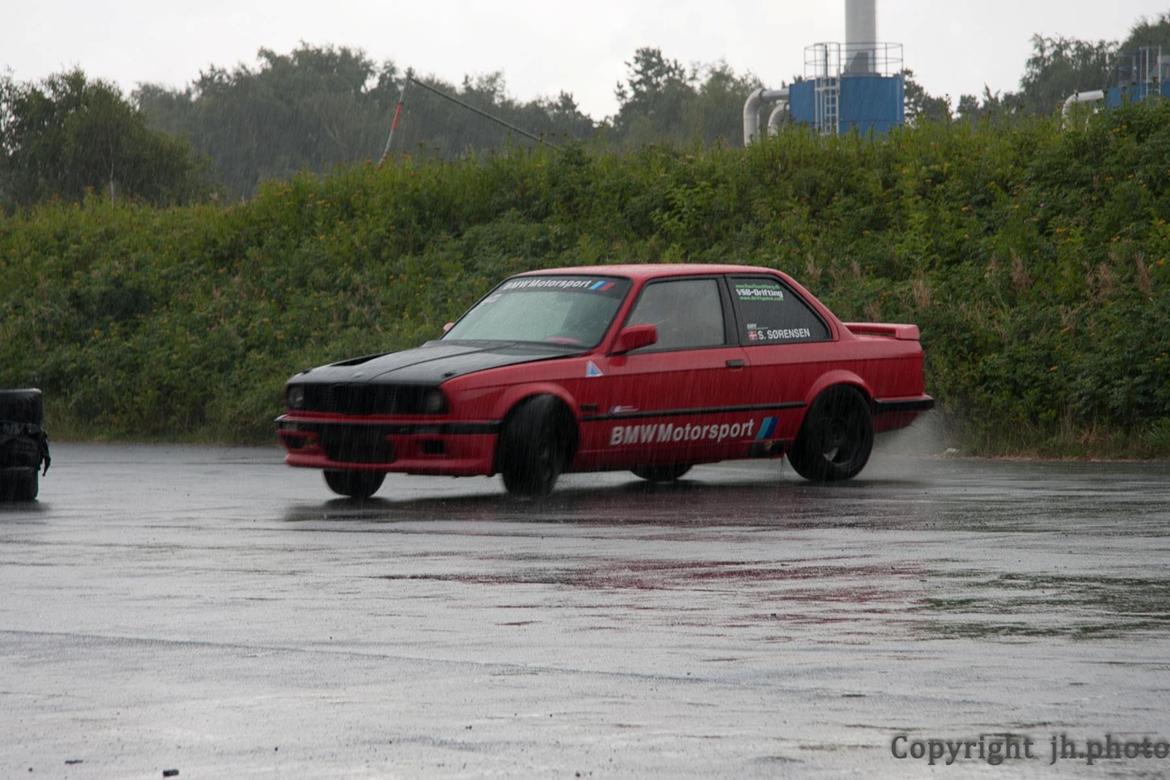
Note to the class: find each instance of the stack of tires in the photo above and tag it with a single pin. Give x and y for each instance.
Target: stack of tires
(24, 445)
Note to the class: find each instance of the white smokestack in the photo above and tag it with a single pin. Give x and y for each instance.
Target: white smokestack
(860, 36)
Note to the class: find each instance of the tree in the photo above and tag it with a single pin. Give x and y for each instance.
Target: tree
(995, 107)
(68, 135)
(1137, 58)
(436, 126)
(921, 106)
(663, 102)
(652, 99)
(1149, 33)
(651, 75)
(1059, 67)
(567, 117)
(310, 109)
(715, 113)
(319, 107)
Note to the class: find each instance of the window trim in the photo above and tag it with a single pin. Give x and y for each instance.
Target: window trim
(724, 302)
(741, 321)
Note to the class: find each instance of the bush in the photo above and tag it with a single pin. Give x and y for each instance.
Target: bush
(1034, 259)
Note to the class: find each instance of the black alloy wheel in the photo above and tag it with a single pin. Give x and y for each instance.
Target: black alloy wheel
(535, 447)
(836, 437)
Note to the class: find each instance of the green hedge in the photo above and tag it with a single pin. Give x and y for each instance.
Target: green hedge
(1033, 258)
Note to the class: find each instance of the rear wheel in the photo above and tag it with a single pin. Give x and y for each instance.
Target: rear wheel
(535, 447)
(662, 473)
(836, 437)
(354, 484)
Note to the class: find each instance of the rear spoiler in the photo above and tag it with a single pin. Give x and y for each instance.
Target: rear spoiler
(888, 329)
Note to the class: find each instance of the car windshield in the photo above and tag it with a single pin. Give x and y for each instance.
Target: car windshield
(570, 310)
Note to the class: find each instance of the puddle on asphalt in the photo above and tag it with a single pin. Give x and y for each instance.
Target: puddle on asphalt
(1039, 605)
(675, 575)
(900, 596)
(929, 560)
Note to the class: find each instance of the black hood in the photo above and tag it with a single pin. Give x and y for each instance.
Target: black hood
(434, 362)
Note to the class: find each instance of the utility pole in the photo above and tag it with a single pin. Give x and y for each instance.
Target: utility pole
(397, 115)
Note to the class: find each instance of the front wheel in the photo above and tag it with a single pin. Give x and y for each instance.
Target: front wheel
(354, 484)
(836, 437)
(661, 473)
(535, 446)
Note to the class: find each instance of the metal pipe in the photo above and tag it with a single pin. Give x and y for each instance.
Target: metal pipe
(776, 118)
(751, 116)
(1092, 96)
(751, 111)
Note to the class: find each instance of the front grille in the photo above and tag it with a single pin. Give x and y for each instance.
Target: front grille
(356, 444)
(356, 398)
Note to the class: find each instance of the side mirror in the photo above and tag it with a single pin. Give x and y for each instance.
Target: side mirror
(448, 327)
(635, 337)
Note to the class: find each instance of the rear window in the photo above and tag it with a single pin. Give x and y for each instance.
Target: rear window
(770, 313)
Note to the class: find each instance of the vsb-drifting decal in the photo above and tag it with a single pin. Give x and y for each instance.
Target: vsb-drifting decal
(663, 433)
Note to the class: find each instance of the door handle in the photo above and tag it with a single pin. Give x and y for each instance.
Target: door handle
(736, 363)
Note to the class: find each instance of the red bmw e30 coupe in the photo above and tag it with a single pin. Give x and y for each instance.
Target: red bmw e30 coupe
(651, 368)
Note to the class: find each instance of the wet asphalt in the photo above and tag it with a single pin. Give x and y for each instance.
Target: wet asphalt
(212, 611)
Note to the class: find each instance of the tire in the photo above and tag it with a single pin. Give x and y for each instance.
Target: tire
(354, 484)
(662, 473)
(21, 452)
(21, 406)
(20, 487)
(836, 437)
(535, 446)
(27, 487)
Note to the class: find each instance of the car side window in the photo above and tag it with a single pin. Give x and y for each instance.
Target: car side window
(687, 312)
(770, 313)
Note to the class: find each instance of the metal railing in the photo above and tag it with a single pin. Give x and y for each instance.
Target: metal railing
(1143, 66)
(826, 63)
(831, 60)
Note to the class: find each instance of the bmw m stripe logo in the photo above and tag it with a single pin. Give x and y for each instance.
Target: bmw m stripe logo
(766, 429)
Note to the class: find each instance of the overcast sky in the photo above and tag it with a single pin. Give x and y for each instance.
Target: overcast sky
(953, 46)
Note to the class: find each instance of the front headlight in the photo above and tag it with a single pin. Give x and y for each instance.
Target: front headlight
(433, 402)
(295, 396)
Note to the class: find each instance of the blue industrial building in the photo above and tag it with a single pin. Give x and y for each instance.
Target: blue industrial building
(1115, 97)
(1138, 76)
(866, 103)
(855, 86)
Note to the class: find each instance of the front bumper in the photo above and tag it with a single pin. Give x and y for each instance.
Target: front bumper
(452, 448)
